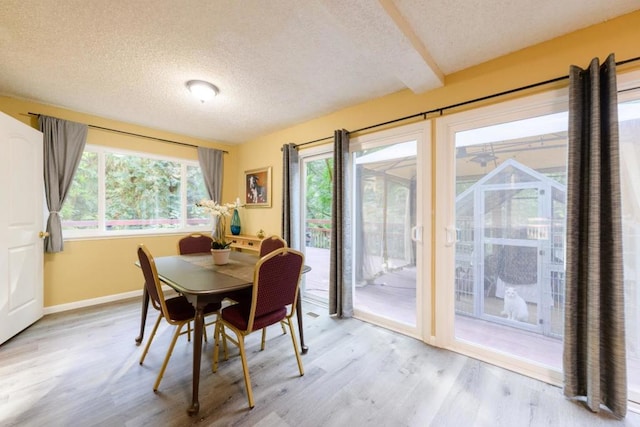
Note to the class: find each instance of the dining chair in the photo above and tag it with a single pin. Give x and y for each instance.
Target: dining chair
(176, 311)
(270, 244)
(267, 246)
(276, 283)
(194, 243)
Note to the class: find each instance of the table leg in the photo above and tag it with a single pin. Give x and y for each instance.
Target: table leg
(300, 329)
(197, 356)
(143, 320)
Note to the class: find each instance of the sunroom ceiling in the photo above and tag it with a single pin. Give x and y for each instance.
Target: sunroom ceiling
(398, 160)
(277, 63)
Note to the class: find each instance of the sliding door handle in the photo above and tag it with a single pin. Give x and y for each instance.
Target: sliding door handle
(450, 236)
(416, 233)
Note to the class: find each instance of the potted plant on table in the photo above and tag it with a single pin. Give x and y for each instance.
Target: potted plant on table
(220, 247)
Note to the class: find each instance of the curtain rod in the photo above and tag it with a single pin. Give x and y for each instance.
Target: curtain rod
(440, 110)
(136, 134)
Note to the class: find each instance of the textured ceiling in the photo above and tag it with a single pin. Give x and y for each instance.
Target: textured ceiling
(277, 62)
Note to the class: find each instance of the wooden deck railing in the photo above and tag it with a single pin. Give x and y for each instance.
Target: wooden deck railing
(133, 223)
(318, 233)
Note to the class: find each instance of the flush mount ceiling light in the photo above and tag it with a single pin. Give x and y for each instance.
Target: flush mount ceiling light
(202, 90)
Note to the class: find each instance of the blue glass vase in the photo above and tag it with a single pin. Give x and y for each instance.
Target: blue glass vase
(235, 223)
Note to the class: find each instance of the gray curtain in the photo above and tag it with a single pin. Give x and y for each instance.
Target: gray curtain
(64, 143)
(291, 196)
(212, 166)
(594, 334)
(340, 291)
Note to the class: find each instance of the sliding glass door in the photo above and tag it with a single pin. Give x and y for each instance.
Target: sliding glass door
(500, 246)
(510, 222)
(629, 118)
(501, 265)
(388, 261)
(317, 177)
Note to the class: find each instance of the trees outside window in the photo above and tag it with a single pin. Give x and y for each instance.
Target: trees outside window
(124, 192)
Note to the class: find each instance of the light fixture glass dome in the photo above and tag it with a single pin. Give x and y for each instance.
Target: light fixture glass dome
(202, 90)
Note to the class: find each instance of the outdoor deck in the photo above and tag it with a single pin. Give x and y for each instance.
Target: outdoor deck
(397, 286)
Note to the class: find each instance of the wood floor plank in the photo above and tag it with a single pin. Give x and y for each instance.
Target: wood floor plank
(82, 368)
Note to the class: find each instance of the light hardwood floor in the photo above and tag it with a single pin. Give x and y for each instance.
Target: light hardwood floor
(81, 368)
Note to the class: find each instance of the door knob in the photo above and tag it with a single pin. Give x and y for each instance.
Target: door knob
(43, 234)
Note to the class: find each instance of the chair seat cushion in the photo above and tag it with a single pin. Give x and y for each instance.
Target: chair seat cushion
(237, 316)
(181, 309)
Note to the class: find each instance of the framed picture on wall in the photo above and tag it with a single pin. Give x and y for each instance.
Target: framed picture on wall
(257, 187)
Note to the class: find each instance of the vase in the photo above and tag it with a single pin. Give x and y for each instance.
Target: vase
(221, 256)
(235, 223)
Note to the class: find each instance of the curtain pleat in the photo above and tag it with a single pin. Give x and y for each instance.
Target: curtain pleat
(212, 166)
(290, 229)
(594, 358)
(64, 143)
(340, 291)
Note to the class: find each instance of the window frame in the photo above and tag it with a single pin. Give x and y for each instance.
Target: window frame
(101, 232)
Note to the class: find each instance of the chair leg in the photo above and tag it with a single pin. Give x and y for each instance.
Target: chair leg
(168, 356)
(216, 345)
(189, 331)
(245, 369)
(219, 332)
(224, 341)
(264, 335)
(153, 333)
(204, 332)
(295, 346)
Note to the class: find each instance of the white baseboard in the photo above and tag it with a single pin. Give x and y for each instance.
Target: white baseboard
(96, 301)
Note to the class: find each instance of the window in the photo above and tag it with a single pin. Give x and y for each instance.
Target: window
(119, 192)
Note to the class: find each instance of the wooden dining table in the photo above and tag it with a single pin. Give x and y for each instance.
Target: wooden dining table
(201, 282)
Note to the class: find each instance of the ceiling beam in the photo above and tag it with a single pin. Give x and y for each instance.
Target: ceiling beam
(404, 27)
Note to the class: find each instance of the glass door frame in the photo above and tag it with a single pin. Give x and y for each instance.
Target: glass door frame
(554, 101)
(306, 156)
(628, 84)
(420, 132)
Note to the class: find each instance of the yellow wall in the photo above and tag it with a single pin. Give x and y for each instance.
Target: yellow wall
(94, 268)
(89, 269)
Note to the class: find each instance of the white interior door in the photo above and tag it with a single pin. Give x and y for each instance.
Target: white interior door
(21, 221)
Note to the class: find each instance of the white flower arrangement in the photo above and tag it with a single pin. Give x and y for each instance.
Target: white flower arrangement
(219, 212)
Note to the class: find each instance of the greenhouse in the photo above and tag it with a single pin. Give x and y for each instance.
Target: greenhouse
(510, 227)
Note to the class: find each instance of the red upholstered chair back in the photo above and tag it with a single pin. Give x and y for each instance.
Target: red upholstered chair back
(194, 243)
(276, 284)
(270, 244)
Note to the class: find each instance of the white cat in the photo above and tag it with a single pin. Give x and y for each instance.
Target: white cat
(515, 308)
